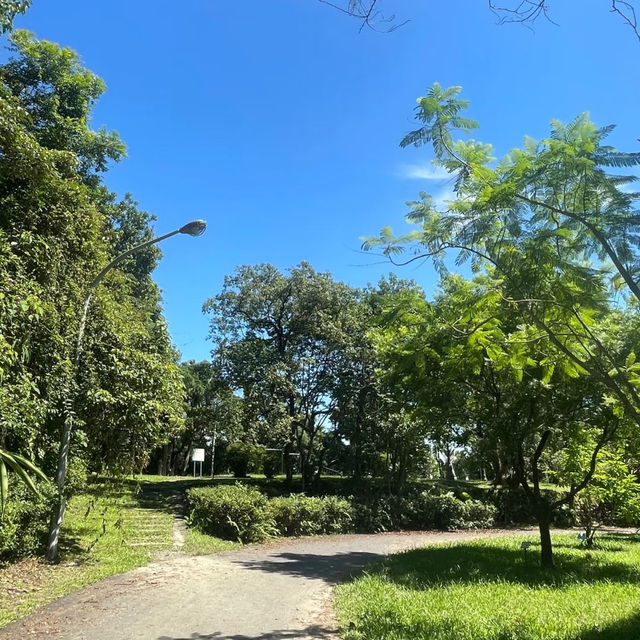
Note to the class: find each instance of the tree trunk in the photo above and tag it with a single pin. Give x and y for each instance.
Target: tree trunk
(187, 459)
(450, 472)
(213, 454)
(288, 463)
(546, 549)
(498, 476)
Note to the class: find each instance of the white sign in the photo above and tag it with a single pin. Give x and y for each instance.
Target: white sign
(197, 455)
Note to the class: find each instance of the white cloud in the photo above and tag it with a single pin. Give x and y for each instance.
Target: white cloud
(442, 196)
(423, 172)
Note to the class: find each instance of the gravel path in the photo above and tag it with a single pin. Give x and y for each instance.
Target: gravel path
(280, 590)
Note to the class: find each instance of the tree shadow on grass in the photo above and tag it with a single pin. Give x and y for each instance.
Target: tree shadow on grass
(329, 568)
(314, 631)
(386, 624)
(626, 629)
(483, 563)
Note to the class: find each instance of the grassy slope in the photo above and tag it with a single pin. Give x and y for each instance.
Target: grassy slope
(109, 529)
(488, 590)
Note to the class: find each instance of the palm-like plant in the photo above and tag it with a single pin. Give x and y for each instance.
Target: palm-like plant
(23, 467)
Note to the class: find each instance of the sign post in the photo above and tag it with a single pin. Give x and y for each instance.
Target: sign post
(197, 455)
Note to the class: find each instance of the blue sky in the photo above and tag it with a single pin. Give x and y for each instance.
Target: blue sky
(278, 122)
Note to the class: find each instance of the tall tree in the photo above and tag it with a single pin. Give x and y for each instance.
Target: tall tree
(281, 340)
(536, 221)
(213, 416)
(58, 228)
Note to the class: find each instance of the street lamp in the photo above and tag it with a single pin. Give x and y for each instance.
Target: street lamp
(193, 228)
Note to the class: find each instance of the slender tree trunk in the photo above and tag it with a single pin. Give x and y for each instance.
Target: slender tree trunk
(546, 548)
(213, 453)
(287, 463)
(450, 471)
(317, 478)
(187, 458)
(498, 475)
(165, 460)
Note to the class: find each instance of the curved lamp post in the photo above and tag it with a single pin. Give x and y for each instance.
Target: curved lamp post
(194, 228)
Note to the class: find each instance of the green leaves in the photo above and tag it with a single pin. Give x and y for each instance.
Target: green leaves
(21, 467)
(9, 9)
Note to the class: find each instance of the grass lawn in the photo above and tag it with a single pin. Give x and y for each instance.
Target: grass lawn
(201, 544)
(487, 590)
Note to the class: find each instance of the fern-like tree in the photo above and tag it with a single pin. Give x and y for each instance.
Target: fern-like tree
(553, 222)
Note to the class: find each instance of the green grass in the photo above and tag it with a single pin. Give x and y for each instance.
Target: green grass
(487, 590)
(109, 529)
(201, 544)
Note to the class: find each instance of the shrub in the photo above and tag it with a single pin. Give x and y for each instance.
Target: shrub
(272, 464)
(24, 527)
(423, 511)
(236, 512)
(243, 458)
(300, 515)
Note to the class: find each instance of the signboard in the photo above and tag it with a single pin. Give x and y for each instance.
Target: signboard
(197, 455)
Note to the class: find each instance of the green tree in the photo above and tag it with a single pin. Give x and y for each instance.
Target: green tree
(281, 340)
(536, 218)
(535, 221)
(213, 415)
(58, 93)
(58, 228)
(481, 378)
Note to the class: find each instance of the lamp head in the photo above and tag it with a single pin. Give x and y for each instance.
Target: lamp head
(194, 228)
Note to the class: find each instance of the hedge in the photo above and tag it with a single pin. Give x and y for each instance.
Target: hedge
(241, 512)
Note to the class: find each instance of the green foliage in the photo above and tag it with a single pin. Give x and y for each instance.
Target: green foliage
(213, 417)
(533, 340)
(422, 511)
(282, 339)
(58, 93)
(611, 498)
(300, 515)
(23, 468)
(9, 9)
(58, 228)
(105, 532)
(235, 512)
(271, 464)
(24, 526)
(244, 458)
(488, 590)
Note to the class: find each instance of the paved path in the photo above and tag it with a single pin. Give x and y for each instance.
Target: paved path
(275, 591)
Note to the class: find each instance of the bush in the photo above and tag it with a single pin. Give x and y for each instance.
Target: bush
(423, 511)
(241, 512)
(384, 513)
(272, 464)
(24, 527)
(243, 458)
(235, 512)
(300, 515)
